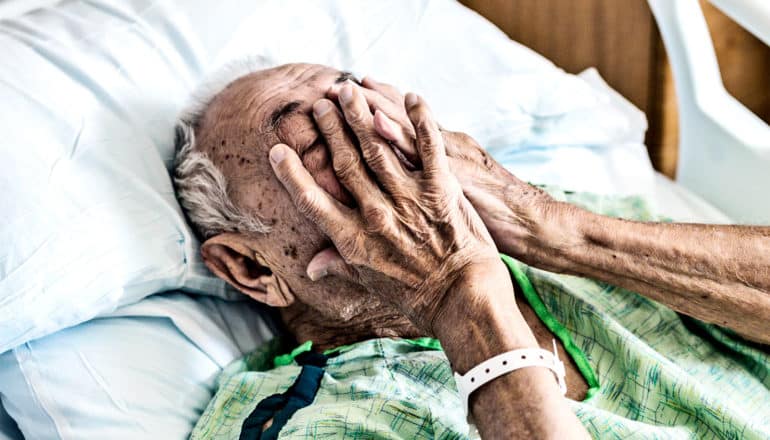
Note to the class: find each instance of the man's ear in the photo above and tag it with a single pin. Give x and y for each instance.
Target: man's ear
(231, 257)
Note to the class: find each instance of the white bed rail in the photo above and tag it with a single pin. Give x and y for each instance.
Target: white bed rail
(724, 149)
(754, 15)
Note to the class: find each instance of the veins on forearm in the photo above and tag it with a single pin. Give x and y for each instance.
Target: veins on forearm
(718, 274)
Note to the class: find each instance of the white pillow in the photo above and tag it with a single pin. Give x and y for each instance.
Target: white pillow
(89, 222)
(89, 91)
(146, 372)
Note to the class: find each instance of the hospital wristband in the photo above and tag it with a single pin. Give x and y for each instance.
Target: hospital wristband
(505, 363)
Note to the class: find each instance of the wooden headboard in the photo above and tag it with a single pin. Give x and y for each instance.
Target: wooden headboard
(620, 38)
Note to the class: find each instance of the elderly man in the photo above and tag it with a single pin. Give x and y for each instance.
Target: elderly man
(412, 258)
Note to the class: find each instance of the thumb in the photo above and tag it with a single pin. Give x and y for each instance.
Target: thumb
(329, 262)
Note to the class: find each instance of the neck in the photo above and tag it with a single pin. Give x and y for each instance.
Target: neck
(306, 324)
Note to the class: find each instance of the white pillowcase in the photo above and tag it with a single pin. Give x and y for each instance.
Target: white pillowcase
(89, 92)
(146, 372)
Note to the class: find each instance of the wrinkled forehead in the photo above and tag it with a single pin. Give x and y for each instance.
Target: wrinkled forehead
(258, 110)
(263, 98)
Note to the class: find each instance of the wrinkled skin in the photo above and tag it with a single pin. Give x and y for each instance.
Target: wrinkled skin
(416, 242)
(237, 132)
(480, 175)
(409, 242)
(483, 180)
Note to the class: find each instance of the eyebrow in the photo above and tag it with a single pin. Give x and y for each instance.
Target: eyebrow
(281, 112)
(344, 76)
(289, 107)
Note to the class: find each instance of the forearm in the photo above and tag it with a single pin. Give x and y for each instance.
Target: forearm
(718, 274)
(485, 322)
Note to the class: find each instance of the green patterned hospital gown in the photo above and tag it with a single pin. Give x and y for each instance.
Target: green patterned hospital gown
(660, 374)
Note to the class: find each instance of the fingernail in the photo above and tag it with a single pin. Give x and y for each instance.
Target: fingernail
(321, 107)
(318, 274)
(346, 93)
(277, 153)
(411, 100)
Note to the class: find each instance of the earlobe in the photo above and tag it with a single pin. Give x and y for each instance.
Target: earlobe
(231, 257)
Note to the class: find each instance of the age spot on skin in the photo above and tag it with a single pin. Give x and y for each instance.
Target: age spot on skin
(290, 251)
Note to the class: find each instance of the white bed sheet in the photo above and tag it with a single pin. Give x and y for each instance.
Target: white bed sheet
(682, 205)
(147, 371)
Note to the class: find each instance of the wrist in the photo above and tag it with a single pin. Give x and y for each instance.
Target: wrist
(480, 311)
(485, 322)
(556, 230)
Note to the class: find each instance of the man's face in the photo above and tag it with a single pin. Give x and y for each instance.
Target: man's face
(237, 131)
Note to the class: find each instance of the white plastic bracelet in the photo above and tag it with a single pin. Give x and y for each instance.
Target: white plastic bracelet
(505, 363)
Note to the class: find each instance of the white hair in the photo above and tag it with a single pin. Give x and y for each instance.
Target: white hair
(200, 186)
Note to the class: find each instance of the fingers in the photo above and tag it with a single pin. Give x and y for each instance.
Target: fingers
(430, 143)
(310, 199)
(346, 159)
(394, 109)
(329, 262)
(405, 146)
(384, 89)
(378, 155)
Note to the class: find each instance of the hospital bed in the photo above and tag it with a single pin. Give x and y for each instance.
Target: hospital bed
(724, 150)
(120, 363)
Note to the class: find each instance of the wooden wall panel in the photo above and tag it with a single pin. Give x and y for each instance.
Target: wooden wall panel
(743, 59)
(616, 36)
(620, 38)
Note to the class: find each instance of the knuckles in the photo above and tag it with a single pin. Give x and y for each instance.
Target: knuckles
(307, 202)
(377, 218)
(354, 116)
(352, 249)
(426, 131)
(368, 137)
(346, 163)
(330, 124)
